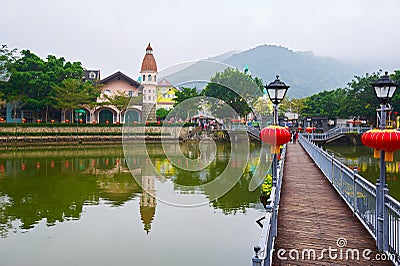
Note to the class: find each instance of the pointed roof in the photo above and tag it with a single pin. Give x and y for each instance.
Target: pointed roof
(164, 82)
(119, 75)
(149, 63)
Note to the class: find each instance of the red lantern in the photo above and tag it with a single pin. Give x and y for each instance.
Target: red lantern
(299, 128)
(387, 140)
(107, 122)
(158, 122)
(80, 121)
(147, 122)
(67, 121)
(396, 113)
(275, 136)
(2, 120)
(52, 121)
(94, 122)
(38, 121)
(23, 120)
(309, 129)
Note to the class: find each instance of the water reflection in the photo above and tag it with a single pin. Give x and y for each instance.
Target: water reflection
(54, 185)
(363, 158)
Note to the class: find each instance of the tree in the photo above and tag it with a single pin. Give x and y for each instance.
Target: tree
(32, 80)
(240, 91)
(73, 93)
(184, 94)
(7, 59)
(119, 100)
(162, 113)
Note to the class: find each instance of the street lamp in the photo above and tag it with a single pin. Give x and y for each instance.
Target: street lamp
(276, 92)
(384, 89)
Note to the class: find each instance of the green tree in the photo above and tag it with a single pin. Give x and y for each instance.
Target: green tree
(7, 59)
(73, 93)
(240, 91)
(119, 100)
(162, 113)
(32, 80)
(184, 94)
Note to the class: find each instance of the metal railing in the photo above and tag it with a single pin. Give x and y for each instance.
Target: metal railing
(264, 250)
(360, 195)
(336, 132)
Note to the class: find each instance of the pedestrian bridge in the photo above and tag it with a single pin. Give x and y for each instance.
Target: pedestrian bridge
(323, 213)
(336, 133)
(326, 137)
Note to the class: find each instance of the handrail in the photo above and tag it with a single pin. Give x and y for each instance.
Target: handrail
(335, 132)
(264, 249)
(360, 195)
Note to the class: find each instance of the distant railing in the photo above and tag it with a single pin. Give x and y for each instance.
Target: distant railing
(264, 250)
(360, 195)
(335, 132)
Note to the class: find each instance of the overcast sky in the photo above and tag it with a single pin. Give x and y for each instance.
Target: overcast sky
(112, 35)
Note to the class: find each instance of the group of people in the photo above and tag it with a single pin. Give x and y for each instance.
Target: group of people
(295, 136)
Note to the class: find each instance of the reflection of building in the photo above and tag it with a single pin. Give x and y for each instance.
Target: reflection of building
(147, 202)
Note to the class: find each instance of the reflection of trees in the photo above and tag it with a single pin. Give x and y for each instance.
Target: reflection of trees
(37, 189)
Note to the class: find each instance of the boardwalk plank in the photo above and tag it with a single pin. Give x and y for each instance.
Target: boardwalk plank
(313, 216)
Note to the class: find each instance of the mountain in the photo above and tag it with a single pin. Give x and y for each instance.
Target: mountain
(306, 73)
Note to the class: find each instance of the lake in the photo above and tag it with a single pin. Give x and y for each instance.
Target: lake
(84, 206)
(368, 166)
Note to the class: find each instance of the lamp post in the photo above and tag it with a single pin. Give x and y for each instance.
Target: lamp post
(384, 89)
(276, 92)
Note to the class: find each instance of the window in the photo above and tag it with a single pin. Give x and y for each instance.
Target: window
(130, 93)
(107, 92)
(144, 77)
(149, 77)
(144, 91)
(154, 98)
(164, 95)
(155, 78)
(92, 75)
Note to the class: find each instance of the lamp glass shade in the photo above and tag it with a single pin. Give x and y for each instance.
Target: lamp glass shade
(384, 88)
(277, 90)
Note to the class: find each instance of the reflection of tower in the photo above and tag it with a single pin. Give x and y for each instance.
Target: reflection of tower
(148, 74)
(147, 202)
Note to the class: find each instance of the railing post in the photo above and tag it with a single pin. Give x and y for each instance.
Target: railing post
(385, 220)
(341, 177)
(256, 260)
(355, 207)
(378, 224)
(333, 168)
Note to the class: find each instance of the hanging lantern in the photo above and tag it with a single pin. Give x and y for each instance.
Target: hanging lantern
(387, 140)
(309, 129)
(275, 136)
(300, 128)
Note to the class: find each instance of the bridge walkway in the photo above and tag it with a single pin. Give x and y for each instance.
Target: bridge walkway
(313, 216)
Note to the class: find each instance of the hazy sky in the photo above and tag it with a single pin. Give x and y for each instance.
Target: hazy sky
(112, 35)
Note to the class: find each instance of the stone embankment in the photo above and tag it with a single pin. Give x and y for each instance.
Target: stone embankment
(21, 135)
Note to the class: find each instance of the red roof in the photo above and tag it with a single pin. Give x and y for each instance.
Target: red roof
(149, 63)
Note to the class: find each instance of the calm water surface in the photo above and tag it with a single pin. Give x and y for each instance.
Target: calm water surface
(368, 166)
(81, 206)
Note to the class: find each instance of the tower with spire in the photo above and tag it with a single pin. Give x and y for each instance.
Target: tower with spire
(148, 74)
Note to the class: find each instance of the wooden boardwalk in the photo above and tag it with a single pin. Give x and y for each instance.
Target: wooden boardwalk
(313, 216)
